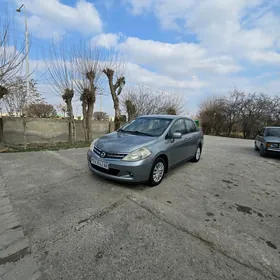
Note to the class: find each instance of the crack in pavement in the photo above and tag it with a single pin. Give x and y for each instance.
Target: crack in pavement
(156, 213)
(99, 214)
(82, 223)
(16, 256)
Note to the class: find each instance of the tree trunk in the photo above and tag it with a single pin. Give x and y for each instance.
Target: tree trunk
(84, 107)
(89, 120)
(70, 121)
(74, 129)
(113, 88)
(117, 119)
(24, 132)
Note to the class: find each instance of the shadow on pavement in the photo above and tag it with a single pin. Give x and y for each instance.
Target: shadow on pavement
(251, 152)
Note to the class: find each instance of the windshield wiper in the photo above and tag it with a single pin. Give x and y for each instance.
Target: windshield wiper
(139, 132)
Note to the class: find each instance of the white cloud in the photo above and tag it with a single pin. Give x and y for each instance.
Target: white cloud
(138, 75)
(229, 27)
(176, 60)
(50, 18)
(138, 7)
(268, 57)
(108, 40)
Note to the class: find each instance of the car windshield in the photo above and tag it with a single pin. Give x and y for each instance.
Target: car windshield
(147, 126)
(273, 132)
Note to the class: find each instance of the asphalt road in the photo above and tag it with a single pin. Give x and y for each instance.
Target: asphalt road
(215, 219)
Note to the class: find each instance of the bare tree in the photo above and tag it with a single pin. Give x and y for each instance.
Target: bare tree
(17, 97)
(212, 116)
(130, 109)
(40, 110)
(231, 108)
(11, 54)
(61, 108)
(113, 69)
(239, 112)
(143, 101)
(60, 66)
(87, 61)
(100, 116)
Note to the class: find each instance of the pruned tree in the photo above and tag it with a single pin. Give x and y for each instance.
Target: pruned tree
(130, 109)
(40, 110)
(143, 101)
(18, 98)
(3, 91)
(88, 68)
(113, 69)
(171, 111)
(60, 66)
(100, 116)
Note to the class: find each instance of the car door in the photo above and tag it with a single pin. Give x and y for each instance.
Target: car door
(177, 147)
(260, 138)
(191, 138)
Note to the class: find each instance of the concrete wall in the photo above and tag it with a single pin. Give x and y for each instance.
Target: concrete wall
(47, 130)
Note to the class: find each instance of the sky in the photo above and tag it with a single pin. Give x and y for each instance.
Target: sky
(192, 48)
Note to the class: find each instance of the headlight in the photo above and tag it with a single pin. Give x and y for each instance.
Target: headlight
(272, 145)
(92, 144)
(138, 154)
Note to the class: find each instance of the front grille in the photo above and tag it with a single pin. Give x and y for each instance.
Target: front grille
(110, 171)
(98, 152)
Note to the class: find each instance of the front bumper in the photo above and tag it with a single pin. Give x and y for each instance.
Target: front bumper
(122, 171)
(273, 150)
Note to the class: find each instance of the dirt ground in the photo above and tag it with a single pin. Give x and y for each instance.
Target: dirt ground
(215, 219)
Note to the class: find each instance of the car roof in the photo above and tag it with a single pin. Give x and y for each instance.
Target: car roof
(272, 127)
(164, 116)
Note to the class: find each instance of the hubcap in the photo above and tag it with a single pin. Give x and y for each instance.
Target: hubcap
(197, 154)
(158, 172)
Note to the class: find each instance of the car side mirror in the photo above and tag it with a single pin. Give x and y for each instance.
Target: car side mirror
(177, 135)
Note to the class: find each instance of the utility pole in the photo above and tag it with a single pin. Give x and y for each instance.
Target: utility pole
(26, 49)
(27, 73)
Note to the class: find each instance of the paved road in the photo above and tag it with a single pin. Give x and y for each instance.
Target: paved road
(216, 219)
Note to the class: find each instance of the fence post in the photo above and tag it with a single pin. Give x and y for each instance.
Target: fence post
(1, 131)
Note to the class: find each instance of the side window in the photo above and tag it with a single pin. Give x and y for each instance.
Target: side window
(178, 126)
(262, 132)
(190, 125)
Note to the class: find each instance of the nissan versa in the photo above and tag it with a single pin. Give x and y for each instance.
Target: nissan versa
(144, 149)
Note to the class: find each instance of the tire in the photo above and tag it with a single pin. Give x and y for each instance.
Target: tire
(159, 167)
(197, 155)
(262, 151)
(255, 146)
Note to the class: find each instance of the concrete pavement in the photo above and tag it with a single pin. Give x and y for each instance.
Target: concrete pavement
(217, 219)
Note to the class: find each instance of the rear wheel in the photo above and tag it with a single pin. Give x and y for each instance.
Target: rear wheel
(197, 155)
(262, 151)
(157, 172)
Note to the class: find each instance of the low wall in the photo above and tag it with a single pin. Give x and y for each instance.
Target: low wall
(41, 130)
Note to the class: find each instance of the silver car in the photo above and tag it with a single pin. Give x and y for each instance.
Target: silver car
(144, 149)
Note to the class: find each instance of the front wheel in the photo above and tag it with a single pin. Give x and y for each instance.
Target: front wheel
(256, 147)
(157, 172)
(197, 155)
(262, 151)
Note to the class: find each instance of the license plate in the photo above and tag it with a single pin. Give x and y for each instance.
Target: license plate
(100, 163)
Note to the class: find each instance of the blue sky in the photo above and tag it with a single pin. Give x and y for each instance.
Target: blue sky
(191, 48)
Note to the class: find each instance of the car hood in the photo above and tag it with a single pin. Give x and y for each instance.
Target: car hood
(272, 139)
(119, 142)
